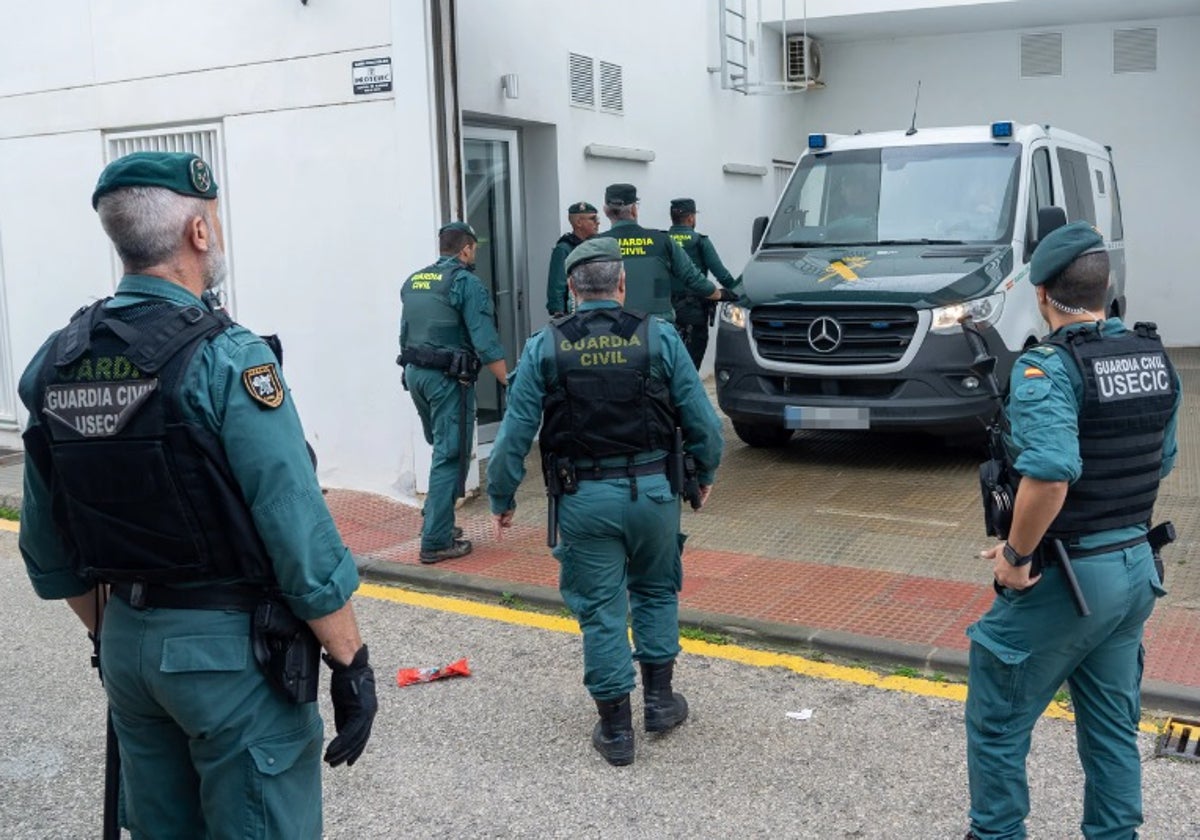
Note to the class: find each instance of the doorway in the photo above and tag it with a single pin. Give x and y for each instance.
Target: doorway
(492, 183)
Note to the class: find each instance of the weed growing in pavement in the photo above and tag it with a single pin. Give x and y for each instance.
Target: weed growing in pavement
(11, 514)
(514, 602)
(906, 671)
(701, 635)
(1063, 697)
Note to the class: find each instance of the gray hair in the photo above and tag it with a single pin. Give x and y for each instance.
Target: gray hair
(619, 212)
(147, 224)
(596, 279)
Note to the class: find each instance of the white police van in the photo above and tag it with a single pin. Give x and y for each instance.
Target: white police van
(878, 247)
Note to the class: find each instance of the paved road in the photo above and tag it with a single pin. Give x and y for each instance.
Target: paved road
(505, 752)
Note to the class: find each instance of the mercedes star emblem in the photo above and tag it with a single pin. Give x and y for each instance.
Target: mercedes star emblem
(825, 335)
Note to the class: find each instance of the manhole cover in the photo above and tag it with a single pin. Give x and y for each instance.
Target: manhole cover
(1180, 739)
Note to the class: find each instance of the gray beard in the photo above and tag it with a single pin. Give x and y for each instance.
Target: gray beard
(216, 270)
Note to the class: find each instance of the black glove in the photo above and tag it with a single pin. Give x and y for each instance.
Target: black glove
(728, 294)
(352, 688)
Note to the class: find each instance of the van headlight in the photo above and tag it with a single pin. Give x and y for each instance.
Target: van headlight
(983, 311)
(733, 315)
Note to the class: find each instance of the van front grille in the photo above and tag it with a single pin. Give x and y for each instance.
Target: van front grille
(833, 335)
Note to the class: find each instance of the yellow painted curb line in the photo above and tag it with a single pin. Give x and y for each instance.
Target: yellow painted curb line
(731, 653)
(9, 525)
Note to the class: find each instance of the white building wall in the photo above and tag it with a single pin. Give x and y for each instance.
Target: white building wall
(330, 196)
(672, 106)
(1151, 121)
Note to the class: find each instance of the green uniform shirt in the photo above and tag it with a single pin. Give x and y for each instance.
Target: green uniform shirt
(535, 374)
(266, 452)
(690, 308)
(556, 279)
(1043, 414)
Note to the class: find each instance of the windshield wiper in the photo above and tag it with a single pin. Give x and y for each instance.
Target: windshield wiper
(919, 242)
(804, 243)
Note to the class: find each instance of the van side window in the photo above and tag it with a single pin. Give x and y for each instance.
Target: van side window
(1041, 192)
(1099, 182)
(1118, 230)
(1077, 186)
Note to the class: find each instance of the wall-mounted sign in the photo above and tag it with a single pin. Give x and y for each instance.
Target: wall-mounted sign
(372, 75)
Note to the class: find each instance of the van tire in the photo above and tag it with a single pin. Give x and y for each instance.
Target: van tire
(758, 435)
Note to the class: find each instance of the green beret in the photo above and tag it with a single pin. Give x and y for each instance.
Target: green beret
(580, 207)
(1060, 248)
(618, 195)
(179, 172)
(463, 226)
(596, 249)
(683, 205)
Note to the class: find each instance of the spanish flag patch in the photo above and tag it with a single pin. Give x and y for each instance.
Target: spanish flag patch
(1033, 373)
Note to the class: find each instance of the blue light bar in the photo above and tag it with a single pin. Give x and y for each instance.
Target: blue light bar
(1002, 130)
(816, 141)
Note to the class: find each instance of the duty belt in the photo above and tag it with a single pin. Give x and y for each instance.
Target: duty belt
(143, 596)
(426, 358)
(596, 473)
(1049, 557)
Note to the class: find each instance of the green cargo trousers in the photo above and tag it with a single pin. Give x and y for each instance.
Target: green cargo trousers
(618, 555)
(437, 397)
(1022, 650)
(208, 748)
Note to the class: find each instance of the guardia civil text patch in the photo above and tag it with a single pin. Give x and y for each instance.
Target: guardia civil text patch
(263, 385)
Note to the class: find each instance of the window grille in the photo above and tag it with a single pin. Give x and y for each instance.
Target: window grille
(1041, 55)
(583, 72)
(1135, 50)
(611, 94)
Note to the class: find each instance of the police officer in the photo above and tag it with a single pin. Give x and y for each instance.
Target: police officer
(654, 263)
(584, 224)
(164, 457)
(1092, 413)
(447, 330)
(613, 386)
(692, 313)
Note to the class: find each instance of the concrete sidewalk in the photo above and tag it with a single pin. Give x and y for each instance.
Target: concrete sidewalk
(862, 546)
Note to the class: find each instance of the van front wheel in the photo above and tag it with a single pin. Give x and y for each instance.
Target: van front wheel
(768, 437)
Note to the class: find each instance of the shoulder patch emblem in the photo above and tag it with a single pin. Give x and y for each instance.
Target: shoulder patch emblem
(263, 385)
(1031, 372)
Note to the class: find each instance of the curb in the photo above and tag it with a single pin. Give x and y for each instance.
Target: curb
(1156, 694)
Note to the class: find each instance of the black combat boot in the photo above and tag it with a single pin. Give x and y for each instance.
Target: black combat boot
(613, 735)
(664, 709)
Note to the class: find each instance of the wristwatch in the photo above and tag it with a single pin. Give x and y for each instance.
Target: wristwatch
(1014, 559)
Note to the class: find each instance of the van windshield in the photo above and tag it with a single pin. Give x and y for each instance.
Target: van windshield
(920, 194)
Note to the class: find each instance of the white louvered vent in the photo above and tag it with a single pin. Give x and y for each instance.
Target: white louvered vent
(1135, 50)
(203, 140)
(583, 86)
(1041, 55)
(612, 97)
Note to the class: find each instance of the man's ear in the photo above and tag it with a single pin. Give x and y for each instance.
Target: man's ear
(199, 234)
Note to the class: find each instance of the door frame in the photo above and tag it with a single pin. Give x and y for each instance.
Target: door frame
(516, 311)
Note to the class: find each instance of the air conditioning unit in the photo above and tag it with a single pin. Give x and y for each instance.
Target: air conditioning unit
(803, 60)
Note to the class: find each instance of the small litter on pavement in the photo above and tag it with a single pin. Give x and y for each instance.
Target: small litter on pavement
(412, 676)
(803, 714)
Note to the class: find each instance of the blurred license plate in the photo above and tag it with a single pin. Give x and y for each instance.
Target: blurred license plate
(814, 417)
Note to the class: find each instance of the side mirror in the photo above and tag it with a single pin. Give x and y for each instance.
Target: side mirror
(1048, 219)
(756, 233)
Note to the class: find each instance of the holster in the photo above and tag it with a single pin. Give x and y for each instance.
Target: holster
(287, 651)
(463, 366)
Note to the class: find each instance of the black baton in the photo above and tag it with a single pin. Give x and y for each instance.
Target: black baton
(1064, 560)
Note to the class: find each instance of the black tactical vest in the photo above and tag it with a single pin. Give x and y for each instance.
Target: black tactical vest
(646, 254)
(1129, 392)
(605, 402)
(138, 494)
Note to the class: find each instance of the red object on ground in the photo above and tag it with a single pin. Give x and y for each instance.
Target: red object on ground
(411, 676)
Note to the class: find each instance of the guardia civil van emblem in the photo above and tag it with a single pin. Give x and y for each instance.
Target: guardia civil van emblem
(263, 385)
